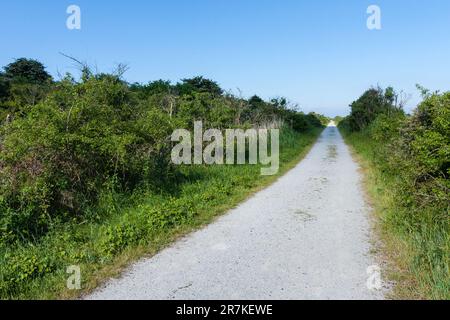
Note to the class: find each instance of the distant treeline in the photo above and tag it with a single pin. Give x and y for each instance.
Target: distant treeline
(63, 142)
(411, 157)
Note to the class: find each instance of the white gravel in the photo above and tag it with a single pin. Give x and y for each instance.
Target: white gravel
(307, 236)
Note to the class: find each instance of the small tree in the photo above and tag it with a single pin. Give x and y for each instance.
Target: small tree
(26, 71)
(371, 104)
(200, 85)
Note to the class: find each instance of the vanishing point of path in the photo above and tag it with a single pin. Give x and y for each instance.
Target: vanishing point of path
(307, 236)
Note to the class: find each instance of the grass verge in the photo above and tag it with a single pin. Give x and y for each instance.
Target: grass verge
(140, 224)
(417, 256)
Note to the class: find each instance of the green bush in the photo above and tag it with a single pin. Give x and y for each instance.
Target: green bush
(412, 159)
(424, 149)
(369, 106)
(56, 160)
(69, 146)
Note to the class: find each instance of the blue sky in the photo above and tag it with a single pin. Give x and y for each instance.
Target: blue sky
(319, 54)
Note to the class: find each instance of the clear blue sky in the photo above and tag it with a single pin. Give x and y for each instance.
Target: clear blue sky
(319, 54)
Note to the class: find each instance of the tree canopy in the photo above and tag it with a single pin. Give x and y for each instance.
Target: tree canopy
(26, 71)
(201, 85)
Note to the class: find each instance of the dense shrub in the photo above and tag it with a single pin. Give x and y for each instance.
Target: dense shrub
(56, 160)
(68, 146)
(198, 85)
(412, 157)
(369, 106)
(215, 112)
(424, 147)
(417, 148)
(23, 84)
(26, 71)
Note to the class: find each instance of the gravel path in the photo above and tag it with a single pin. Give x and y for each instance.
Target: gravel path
(307, 236)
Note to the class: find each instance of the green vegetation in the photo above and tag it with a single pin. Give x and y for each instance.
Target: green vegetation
(407, 159)
(86, 177)
(337, 120)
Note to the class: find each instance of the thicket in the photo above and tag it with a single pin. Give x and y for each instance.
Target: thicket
(411, 156)
(67, 145)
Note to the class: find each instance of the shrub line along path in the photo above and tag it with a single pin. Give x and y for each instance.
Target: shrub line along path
(307, 236)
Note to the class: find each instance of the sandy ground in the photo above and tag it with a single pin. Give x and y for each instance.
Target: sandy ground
(307, 236)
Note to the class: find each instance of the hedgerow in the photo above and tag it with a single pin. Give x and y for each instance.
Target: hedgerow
(411, 155)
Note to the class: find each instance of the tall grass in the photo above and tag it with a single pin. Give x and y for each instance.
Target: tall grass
(417, 245)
